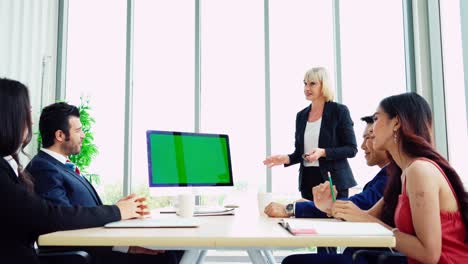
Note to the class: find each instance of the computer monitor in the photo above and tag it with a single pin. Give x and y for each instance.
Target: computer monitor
(178, 159)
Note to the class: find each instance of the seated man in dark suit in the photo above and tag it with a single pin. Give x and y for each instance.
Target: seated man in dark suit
(371, 193)
(58, 180)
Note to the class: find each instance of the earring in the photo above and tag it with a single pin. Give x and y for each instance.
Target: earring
(395, 136)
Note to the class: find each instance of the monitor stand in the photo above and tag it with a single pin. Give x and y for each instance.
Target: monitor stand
(198, 200)
(198, 192)
(210, 195)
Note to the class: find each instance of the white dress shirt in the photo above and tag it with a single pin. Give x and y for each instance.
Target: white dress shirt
(55, 155)
(311, 138)
(12, 163)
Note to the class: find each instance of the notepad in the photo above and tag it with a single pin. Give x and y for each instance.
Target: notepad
(204, 211)
(155, 222)
(208, 212)
(333, 228)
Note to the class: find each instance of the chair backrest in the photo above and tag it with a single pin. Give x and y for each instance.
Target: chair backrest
(69, 257)
(379, 256)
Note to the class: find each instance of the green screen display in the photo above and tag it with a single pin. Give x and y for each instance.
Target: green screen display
(188, 159)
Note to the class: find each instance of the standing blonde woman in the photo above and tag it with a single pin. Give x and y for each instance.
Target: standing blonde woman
(324, 139)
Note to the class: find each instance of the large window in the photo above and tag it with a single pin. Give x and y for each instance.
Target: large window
(301, 37)
(163, 91)
(232, 83)
(232, 75)
(96, 70)
(373, 64)
(454, 85)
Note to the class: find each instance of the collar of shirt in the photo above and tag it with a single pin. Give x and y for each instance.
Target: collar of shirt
(12, 163)
(55, 155)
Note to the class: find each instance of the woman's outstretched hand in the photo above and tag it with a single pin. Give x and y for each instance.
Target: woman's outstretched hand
(276, 160)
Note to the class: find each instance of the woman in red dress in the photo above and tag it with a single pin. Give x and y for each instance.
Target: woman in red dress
(425, 199)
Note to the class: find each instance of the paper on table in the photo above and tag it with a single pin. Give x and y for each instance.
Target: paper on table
(204, 211)
(226, 211)
(155, 222)
(298, 230)
(333, 228)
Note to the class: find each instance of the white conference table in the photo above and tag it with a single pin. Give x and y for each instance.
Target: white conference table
(251, 232)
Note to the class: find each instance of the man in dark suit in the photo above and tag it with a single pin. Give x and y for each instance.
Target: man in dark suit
(371, 193)
(60, 181)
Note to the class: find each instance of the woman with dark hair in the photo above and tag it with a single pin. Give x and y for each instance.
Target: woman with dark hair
(25, 216)
(425, 198)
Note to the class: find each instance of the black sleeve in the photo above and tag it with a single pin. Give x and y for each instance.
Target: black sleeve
(26, 214)
(296, 156)
(345, 137)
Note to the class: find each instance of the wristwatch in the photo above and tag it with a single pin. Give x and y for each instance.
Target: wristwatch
(290, 209)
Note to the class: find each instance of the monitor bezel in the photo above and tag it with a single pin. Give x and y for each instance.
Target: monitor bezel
(179, 133)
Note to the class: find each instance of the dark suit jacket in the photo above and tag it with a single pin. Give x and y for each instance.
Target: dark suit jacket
(369, 196)
(336, 137)
(63, 186)
(59, 184)
(25, 216)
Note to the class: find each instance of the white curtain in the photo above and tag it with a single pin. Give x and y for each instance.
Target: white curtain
(28, 49)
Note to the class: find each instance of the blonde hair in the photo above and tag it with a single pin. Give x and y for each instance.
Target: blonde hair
(320, 74)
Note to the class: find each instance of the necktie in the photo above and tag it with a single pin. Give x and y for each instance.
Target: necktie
(73, 166)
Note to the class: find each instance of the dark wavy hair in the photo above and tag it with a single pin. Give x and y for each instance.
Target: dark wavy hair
(15, 120)
(416, 140)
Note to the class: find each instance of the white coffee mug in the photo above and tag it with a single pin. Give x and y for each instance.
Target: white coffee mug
(263, 199)
(186, 205)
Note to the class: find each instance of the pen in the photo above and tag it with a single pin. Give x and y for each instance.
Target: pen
(331, 187)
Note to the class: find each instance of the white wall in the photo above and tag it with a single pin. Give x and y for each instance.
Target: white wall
(28, 30)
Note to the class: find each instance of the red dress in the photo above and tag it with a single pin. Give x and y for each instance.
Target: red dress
(454, 250)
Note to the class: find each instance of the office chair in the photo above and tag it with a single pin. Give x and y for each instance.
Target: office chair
(382, 256)
(69, 257)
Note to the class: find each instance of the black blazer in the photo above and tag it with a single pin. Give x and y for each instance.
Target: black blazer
(336, 137)
(59, 184)
(25, 216)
